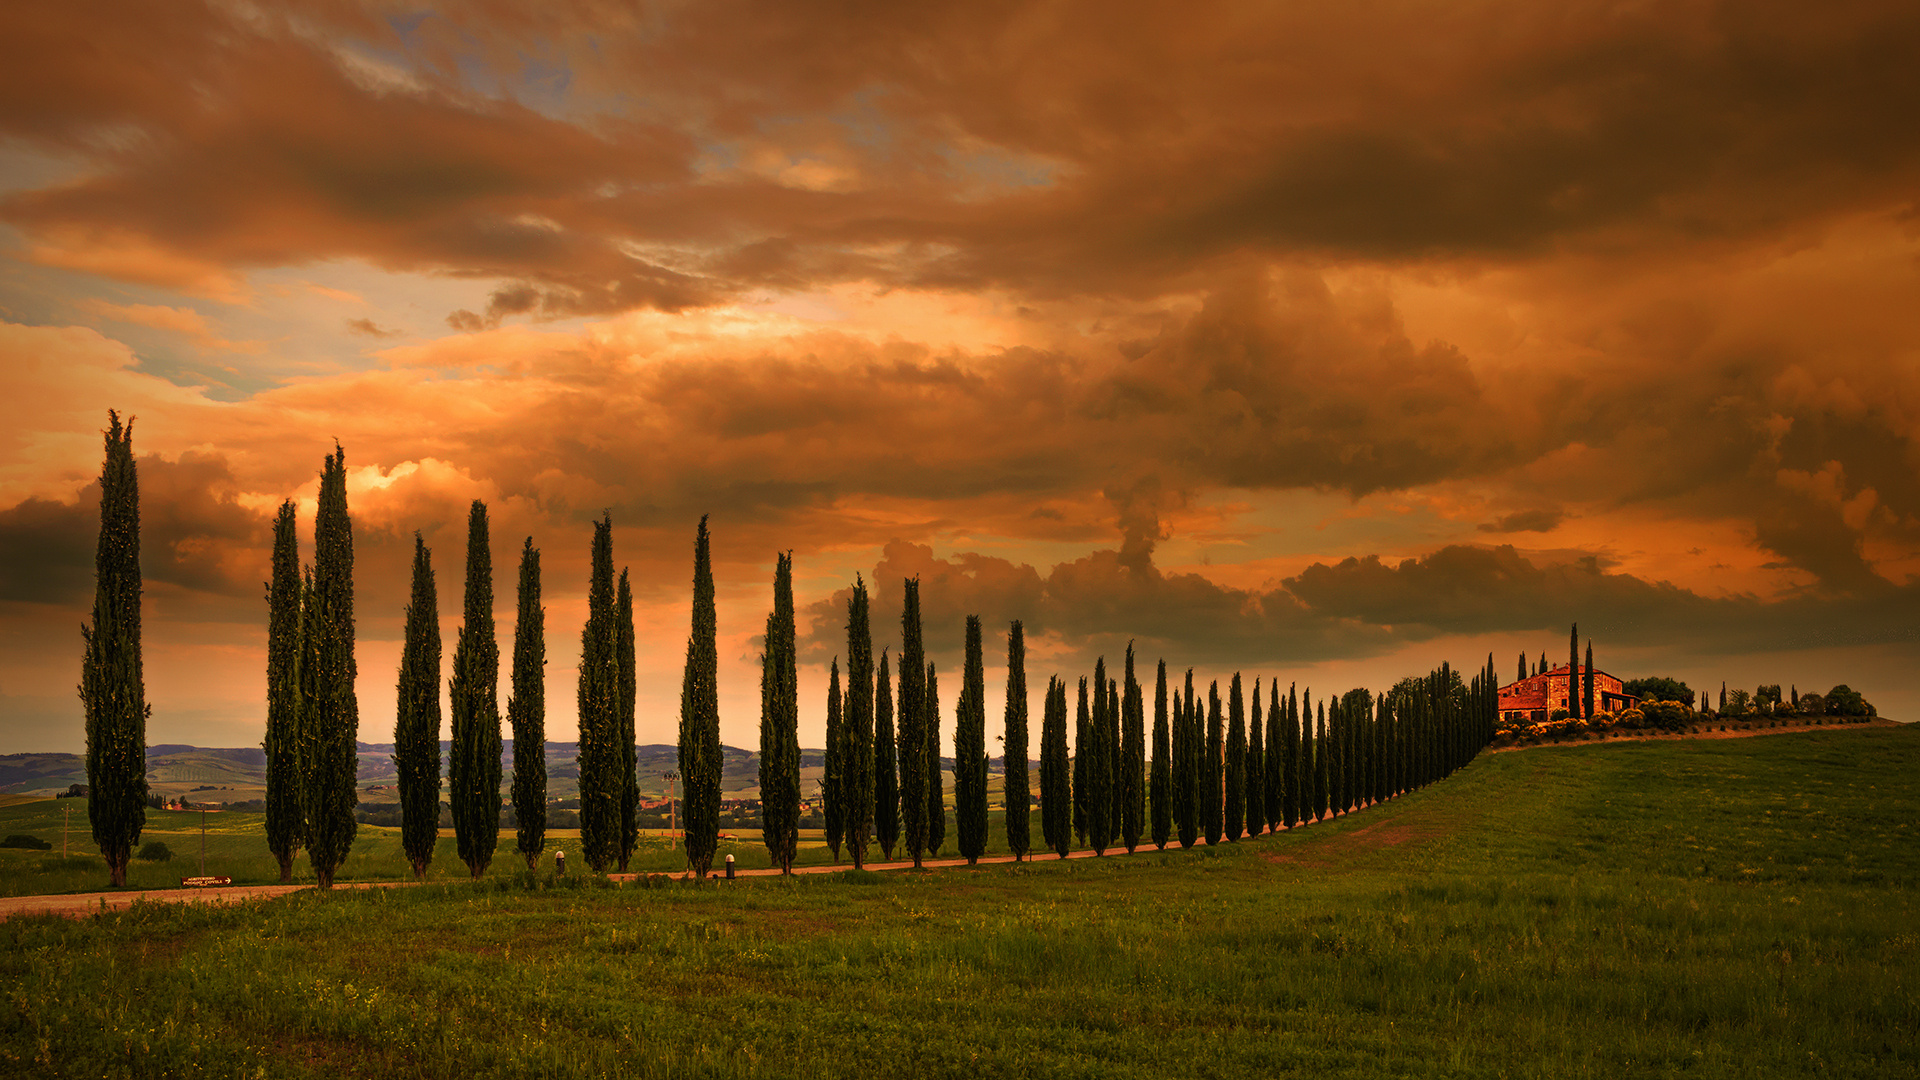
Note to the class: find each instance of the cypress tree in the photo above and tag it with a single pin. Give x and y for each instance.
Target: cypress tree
(1019, 792)
(1573, 673)
(1234, 809)
(1276, 759)
(416, 728)
(936, 782)
(832, 785)
(700, 716)
(1056, 797)
(286, 829)
(627, 693)
(857, 722)
(1099, 773)
(1212, 819)
(1160, 784)
(330, 714)
(1082, 752)
(886, 782)
(913, 727)
(970, 750)
(1337, 760)
(1110, 753)
(1587, 699)
(1307, 767)
(473, 771)
(113, 688)
(1322, 763)
(1133, 760)
(527, 710)
(599, 758)
(1256, 766)
(780, 725)
(1186, 769)
(1287, 749)
(1523, 666)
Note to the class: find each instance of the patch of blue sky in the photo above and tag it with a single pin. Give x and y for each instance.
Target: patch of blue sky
(990, 170)
(25, 168)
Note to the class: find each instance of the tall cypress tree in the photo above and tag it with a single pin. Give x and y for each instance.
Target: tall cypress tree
(1019, 792)
(113, 688)
(1186, 769)
(527, 710)
(1110, 751)
(599, 696)
(1587, 698)
(1276, 790)
(858, 782)
(416, 728)
(1099, 772)
(626, 697)
(780, 725)
(1308, 768)
(1133, 760)
(886, 781)
(1256, 766)
(1335, 746)
(1573, 673)
(1234, 809)
(1211, 784)
(1322, 761)
(832, 784)
(330, 714)
(913, 727)
(286, 829)
(1160, 782)
(970, 750)
(473, 773)
(1056, 796)
(936, 783)
(1082, 754)
(700, 716)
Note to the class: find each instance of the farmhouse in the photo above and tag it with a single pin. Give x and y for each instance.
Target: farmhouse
(1531, 700)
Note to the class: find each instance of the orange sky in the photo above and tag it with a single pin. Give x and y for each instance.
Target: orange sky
(1317, 341)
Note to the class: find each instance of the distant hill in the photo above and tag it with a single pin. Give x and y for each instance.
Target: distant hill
(238, 774)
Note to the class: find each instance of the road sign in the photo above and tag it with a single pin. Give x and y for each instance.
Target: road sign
(203, 882)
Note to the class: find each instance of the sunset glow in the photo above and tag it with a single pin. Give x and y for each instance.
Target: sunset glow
(1318, 342)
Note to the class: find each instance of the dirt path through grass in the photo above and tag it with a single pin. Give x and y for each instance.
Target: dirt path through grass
(79, 905)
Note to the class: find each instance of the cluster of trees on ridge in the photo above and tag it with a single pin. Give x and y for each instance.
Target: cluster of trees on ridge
(1216, 769)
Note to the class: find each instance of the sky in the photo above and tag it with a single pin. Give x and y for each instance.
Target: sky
(1314, 342)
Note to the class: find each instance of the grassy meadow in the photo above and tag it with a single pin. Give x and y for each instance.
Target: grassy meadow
(1741, 908)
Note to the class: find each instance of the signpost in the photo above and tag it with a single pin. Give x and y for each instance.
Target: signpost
(203, 881)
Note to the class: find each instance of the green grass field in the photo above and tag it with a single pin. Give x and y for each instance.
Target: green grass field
(1740, 908)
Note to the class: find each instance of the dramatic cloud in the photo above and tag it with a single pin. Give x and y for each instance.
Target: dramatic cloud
(1259, 336)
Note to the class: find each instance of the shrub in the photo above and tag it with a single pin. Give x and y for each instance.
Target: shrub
(31, 843)
(1667, 715)
(154, 851)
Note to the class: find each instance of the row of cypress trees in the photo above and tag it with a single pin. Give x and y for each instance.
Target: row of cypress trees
(473, 765)
(1219, 770)
(1230, 780)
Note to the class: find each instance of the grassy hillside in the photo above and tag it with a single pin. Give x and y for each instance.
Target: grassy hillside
(1739, 908)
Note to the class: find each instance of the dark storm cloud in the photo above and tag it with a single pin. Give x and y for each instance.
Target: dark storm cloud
(704, 149)
(1356, 607)
(1525, 521)
(192, 534)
